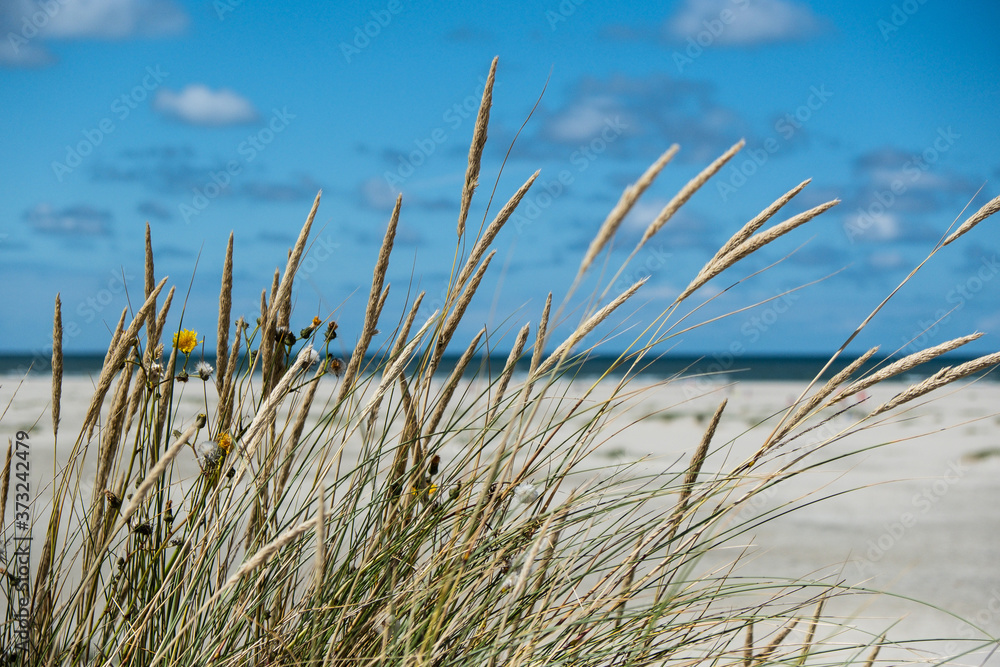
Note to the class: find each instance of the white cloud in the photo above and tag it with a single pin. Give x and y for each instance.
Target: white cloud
(114, 19)
(197, 104)
(750, 23)
(640, 116)
(874, 226)
(377, 194)
(643, 212)
(81, 220)
(584, 119)
(28, 25)
(890, 259)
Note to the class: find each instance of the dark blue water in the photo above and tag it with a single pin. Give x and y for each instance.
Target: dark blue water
(775, 368)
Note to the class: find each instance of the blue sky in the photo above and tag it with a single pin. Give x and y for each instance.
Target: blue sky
(202, 118)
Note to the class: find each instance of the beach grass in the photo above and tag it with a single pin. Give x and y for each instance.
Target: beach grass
(390, 508)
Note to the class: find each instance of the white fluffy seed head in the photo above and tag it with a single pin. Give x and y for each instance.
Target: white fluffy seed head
(526, 493)
(309, 356)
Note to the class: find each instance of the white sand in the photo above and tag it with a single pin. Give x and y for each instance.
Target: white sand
(924, 522)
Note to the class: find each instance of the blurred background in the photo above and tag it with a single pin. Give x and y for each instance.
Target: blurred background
(202, 118)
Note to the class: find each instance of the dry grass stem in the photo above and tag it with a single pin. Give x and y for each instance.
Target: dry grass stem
(225, 311)
(811, 632)
(808, 406)
(476, 149)
(57, 367)
(455, 317)
(284, 297)
(452, 383)
(319, 570)
(374, 298)
(508, 371)
(5, 489)
(763, 656)
(874, 653)
(686, 193)
(397, 365)
(564, 349)
(404, 330)
(991, 207)
(483, 244)
(116, 357)
(292, 442)
(752, 245)
(742, 235)
(905, 364)
(149, 283)
(227, 395)
(628, 199)
(697, 460)
(943, 377)
(265, 415)
(263, 555)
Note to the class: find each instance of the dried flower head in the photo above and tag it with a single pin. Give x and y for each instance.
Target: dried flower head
(335, 365)
(210, 453)
(331, 331)
(225, 441)
(285, 336)
(155, 371)
(114, 502)
(310, 355)
(204, 370)
(186, 340)
(526, 493)
(305, 333)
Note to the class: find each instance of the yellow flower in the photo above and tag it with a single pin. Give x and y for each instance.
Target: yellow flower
(185, 340)
(225, 442)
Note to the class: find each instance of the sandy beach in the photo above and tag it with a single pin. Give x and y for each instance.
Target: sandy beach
(913, 513)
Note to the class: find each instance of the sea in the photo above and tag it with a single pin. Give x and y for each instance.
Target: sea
(723, 367)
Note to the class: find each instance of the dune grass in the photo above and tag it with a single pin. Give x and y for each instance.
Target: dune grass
(387, 509)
